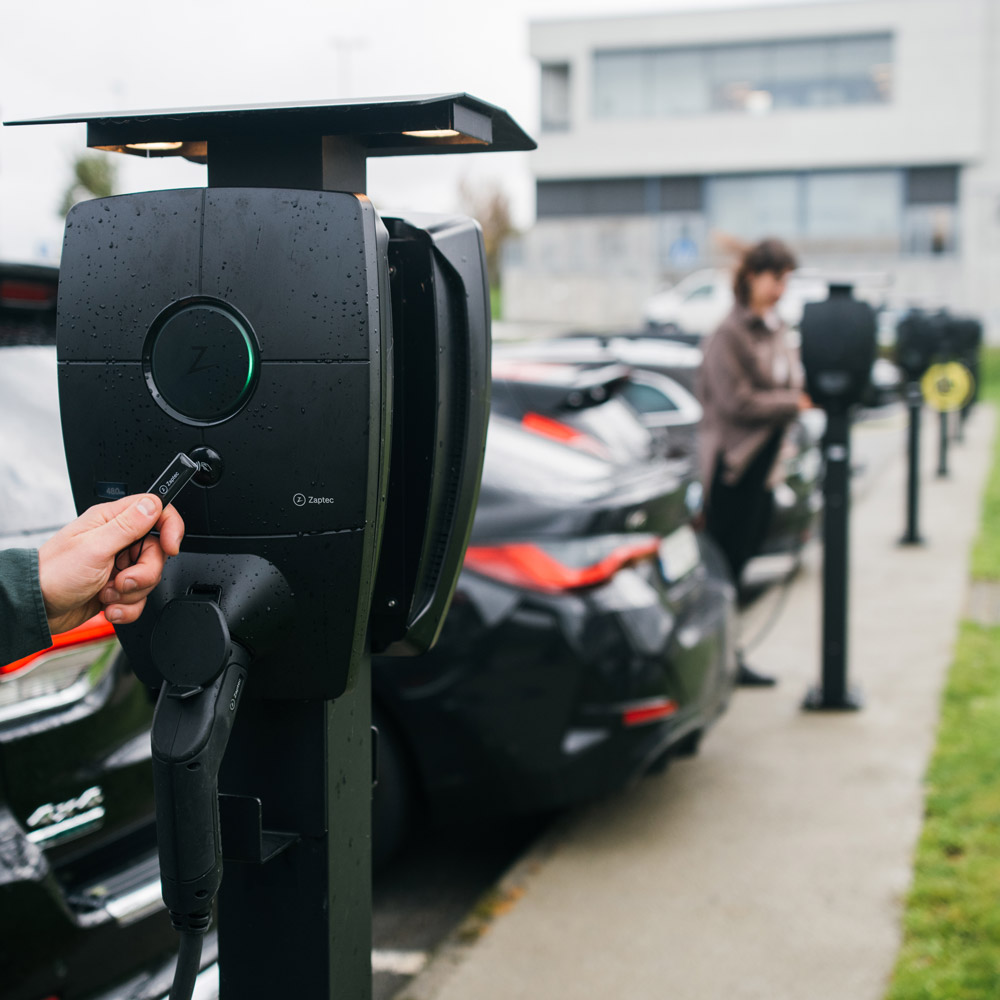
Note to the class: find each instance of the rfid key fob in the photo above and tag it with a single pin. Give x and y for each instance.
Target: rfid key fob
(166, 486)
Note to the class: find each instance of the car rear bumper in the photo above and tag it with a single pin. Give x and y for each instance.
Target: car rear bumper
(521, 707)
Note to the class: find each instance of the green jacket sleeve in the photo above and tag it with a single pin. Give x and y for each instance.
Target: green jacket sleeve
(24, 628)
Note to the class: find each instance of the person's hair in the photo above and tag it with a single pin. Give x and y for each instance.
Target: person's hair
(768, 255)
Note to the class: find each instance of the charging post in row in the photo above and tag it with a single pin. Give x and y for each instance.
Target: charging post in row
(258, 327)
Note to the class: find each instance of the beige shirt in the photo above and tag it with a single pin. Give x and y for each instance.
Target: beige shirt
(749, 386)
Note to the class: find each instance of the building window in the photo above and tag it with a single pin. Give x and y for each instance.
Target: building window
(932, 186)
(930, 216)
(852, 206)
(620, 196)
(821, 210)
(755, 206)
(750, 78)
(555, 97)
(624, 196)
(681, 194)
(619, 90)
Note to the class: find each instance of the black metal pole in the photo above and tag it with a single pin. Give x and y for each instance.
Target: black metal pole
(299, 924)
(833, 693)
(943, 429)
(915, 402)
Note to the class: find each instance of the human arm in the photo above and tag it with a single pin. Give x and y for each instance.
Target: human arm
(24, 627)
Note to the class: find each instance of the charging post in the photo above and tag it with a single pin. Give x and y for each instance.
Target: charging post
(935, 352)
(920, 338)
(838, 349)
(914, 406)
(250, 325)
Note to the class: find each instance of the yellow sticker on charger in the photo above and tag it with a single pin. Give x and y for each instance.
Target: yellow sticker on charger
(947, 387)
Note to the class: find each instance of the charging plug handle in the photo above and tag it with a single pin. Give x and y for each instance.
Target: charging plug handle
(191, 729)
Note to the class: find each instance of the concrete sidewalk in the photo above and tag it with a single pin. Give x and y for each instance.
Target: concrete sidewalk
(774, 864)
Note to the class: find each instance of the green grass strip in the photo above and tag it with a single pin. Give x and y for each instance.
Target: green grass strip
(951, 948)
(986, 551)
(951, 940)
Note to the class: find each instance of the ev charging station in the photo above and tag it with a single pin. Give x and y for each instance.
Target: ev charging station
(935, 352)
(325, 372)
(838, 350)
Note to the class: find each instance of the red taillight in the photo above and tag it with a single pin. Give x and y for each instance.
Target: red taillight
(556, 430)
(27, 294)
(91, 630)
(648, 711)
(527, 565)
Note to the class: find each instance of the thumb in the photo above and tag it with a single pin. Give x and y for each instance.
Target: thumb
(129, 524)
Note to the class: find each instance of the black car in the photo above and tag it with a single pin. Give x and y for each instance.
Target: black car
(668, 357)
(586, 408)
(80, 908)
(660, 389)
(590, 637)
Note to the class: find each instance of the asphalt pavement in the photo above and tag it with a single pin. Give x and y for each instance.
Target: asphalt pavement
(775, 863)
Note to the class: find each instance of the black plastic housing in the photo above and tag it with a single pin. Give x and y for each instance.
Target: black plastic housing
(838, 348)
(441, 350)
(253, 322)
(921, 339)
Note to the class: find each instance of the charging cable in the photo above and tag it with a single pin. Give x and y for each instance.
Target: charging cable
(779, 606)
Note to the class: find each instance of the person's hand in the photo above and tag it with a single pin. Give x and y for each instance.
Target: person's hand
(805, 401)
(76, 566)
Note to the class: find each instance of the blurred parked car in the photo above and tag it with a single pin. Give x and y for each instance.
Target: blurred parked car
(666, 408)
(656, 366)
(589, 639)
(698, 303)
(582, 407)
(80, 908)
(678, 361)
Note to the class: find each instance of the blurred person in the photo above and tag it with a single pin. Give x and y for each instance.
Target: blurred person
(101, 562)
(750, 386)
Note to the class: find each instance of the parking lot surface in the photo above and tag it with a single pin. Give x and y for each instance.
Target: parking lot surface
(775, 863)
(432, 887)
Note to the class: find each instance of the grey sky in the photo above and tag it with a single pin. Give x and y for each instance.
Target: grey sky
(64, 56)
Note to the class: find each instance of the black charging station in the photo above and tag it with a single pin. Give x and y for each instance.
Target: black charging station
(922, 338)
(327, 370)
(838, 350)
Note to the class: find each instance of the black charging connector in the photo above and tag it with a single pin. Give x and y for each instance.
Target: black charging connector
(205, 674)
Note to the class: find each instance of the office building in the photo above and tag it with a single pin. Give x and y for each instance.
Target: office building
(866, 133)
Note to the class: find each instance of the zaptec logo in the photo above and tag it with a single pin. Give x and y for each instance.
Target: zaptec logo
(61, 820)
(200, 350)
(300, 500)
(165, 488)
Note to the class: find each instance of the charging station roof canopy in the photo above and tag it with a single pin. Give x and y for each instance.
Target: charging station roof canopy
(385, 126)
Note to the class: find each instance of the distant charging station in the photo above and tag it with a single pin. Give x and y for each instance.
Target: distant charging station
(838, 349)
(320, 374)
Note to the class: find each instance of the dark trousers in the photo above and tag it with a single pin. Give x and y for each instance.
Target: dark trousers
(739, 513)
